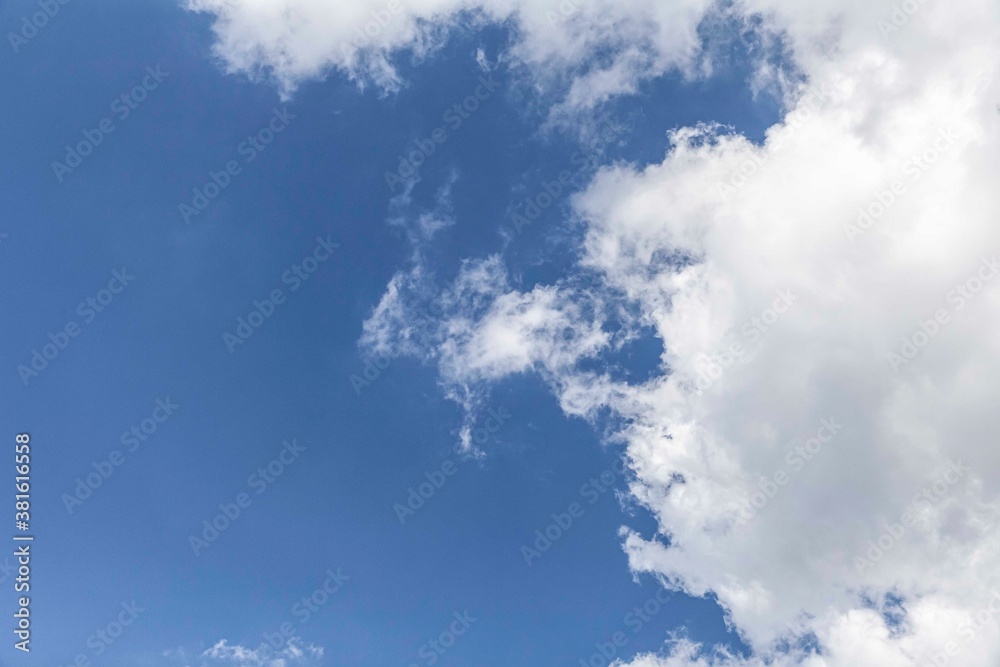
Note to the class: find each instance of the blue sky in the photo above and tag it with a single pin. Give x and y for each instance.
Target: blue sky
(161, 338)
(154, 383)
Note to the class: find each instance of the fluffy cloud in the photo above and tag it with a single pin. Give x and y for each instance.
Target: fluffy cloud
(868, 210)
(292, 41)
(819, 444)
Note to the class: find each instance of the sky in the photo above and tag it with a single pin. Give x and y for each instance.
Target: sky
(492, 332)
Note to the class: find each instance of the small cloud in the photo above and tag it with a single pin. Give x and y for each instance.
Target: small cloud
(481, 60)
(293, 653)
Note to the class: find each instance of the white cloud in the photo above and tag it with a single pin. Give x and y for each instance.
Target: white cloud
(907, 131)
(924, 94)
(292, 41)
(893, 107)
(293, 652)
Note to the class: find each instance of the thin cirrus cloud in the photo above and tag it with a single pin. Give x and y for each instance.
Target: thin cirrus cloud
(224, 654)
(819, 444)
